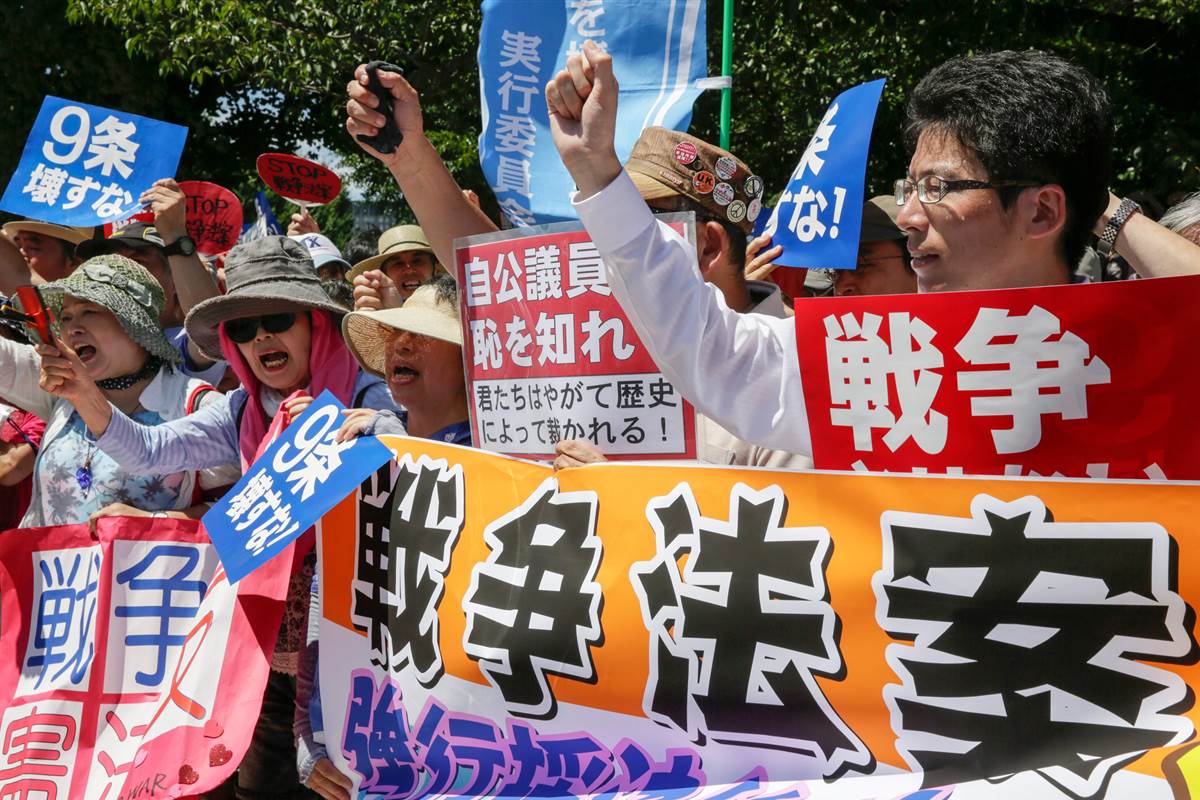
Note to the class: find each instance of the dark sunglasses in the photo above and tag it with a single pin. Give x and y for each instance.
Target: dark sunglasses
(245, 329)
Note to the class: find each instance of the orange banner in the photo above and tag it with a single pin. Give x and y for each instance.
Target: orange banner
(712, 630)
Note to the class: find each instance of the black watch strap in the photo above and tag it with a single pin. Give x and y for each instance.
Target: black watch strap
(183, 246)
(1112, 228)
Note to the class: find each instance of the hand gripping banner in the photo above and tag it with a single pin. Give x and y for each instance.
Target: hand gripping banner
(700, 632)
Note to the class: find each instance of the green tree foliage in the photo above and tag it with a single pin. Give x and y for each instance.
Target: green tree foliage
(305, 53)
(252, 75)
(89, 61)
(793, 58)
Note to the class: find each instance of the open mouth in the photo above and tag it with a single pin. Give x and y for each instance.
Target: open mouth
(274, 360)
(402, 374)
(922, 261)
(410, 286)
(85, 352)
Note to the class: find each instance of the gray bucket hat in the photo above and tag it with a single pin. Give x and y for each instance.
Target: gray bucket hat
(264, 276)
(125, 288)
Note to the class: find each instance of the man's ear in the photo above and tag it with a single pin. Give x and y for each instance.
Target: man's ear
(1044, 210)
(712, 245)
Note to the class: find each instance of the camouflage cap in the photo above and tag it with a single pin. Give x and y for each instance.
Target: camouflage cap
(667, 163)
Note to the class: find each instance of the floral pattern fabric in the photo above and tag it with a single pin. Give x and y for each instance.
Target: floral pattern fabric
(65, 502)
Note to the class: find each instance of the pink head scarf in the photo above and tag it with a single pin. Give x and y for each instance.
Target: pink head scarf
(330, 367)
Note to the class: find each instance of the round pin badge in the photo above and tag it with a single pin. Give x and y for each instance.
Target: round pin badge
(685, 153)
(736, 211)
(754, 186)
(726, 168)
(723, 194)
(754, 209)
(703, 182)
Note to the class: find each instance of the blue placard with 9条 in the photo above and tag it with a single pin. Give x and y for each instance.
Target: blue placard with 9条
(84, 165)
(301, 476)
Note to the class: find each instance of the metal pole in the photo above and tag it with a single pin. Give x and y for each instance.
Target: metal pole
(726, 72)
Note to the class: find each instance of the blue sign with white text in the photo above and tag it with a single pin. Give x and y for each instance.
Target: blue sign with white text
(659, 52)
(303, 474)
(85, 165)
(819, 215)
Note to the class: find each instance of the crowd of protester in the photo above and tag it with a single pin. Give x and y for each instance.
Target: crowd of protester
(167, 372)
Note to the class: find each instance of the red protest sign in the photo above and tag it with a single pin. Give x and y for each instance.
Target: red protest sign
(1081, 381)
(299, 180)
(550, 355)
(94, 705)
(214, 216)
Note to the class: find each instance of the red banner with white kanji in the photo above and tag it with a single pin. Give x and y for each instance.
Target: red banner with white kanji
(550, 355)
(129, 666)
(1091, 380)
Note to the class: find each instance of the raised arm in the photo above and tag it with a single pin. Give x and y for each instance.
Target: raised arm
(1152, 250)
(741, 370)
(207, 438)
(193, 281)
(436, 199)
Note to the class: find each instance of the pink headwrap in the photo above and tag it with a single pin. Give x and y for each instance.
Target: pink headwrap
(330, 367)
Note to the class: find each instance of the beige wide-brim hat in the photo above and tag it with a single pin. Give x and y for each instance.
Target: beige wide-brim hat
(366, 332)
(400, 239)
(67, 234)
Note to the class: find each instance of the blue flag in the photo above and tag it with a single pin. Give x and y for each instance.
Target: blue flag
(265, 225)
(659, 52)
(85, 165)
(819, 216)
(303, 474)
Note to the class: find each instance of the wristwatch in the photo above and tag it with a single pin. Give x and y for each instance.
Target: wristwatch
(183, 246)
(1112, 228)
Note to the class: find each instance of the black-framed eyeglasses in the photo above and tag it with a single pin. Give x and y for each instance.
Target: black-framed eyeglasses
(932, 188)
(246, 328)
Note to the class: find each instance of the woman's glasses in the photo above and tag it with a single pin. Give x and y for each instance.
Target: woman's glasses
(244, 330)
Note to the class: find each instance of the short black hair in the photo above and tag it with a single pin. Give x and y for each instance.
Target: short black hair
(340, 292)
(447, 288)
(362, 245)
(1026, 115)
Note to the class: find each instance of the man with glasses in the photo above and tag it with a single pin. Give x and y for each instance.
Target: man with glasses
(1009, 169)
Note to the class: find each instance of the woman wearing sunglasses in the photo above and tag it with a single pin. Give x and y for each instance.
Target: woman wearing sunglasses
(279, 332)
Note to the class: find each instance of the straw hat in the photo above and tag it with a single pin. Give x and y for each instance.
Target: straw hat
(432, 310)
(263, 276)
(400, 239)
(69, 235)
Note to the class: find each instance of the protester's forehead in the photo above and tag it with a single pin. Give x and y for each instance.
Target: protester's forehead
(72, 304)
(939, 152)
(871, 251)
(408, 257)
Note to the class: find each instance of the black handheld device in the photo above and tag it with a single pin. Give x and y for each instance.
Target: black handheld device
(390, 137)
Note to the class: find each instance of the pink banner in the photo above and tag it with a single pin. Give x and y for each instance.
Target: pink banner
(129, 665)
